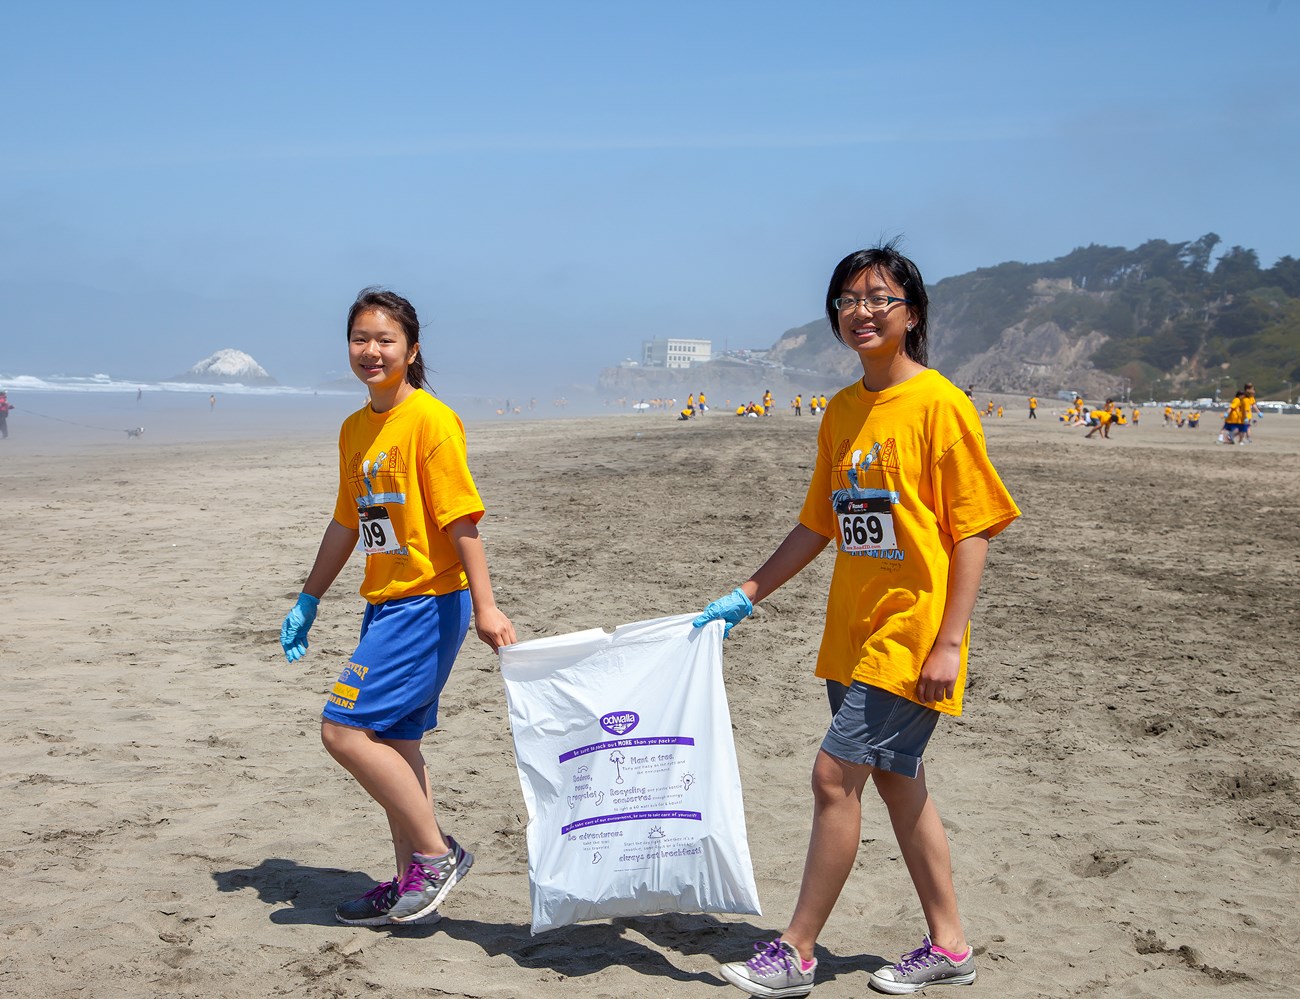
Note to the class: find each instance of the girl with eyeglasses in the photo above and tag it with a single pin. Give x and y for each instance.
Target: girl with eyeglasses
(903, 488)
(406, 493)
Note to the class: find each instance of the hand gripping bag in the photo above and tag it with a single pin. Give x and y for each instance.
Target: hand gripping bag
(628, 768)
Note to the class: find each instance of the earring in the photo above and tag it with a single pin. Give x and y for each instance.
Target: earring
(909, 327)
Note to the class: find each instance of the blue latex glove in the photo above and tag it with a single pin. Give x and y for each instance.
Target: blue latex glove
(733, 608)
(293, 633)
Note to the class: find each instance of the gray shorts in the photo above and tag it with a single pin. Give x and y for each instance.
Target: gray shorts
(878, 729)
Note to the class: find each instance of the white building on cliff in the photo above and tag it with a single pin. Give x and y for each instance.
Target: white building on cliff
(675, 353)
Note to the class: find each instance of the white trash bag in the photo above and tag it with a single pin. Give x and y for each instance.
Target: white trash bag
(624, 748)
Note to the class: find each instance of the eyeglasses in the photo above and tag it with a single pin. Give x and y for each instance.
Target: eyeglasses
(872, 303)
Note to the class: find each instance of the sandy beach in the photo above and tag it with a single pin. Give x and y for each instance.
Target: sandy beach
(1121, 794)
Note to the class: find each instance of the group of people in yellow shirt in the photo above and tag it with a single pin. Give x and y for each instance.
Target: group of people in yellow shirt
(1242, 412)
(816, 404)
(1191, 419)
(1098, 420)
(1101, 420)
(694, 408)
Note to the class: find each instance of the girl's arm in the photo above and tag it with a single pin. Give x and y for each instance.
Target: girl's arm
(792, 555)
(335, 548)
(490, 623)
(938, 677)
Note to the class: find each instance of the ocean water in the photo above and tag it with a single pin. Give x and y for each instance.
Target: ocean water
(65, 415)
(62, 420)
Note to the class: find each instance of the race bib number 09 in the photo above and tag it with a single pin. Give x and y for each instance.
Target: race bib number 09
(865, 525)
(377, 534)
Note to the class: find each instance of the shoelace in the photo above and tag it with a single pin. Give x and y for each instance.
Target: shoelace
(381, 889)
(771, 958)
(922, 957)
(419, 876)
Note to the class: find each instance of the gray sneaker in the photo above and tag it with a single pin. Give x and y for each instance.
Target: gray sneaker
(924, 966)
(427, 882)
(775, 970)
(371, 909)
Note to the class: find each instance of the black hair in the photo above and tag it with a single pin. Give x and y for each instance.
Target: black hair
(402, 312)
(905, 274)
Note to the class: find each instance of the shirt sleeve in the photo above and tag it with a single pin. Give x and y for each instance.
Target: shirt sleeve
(968, 493)
(448, 483)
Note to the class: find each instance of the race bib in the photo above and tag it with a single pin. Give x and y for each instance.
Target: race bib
(377, 534)
(865, 524)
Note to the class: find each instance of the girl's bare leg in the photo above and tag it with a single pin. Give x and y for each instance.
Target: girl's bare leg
(832, 847)
(924, 845)
(393, 773)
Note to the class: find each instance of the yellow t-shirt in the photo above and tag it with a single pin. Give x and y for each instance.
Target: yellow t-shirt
(1033, 403)
(1247, 408)
(894, 519)
(411, 462)
(1234, 411)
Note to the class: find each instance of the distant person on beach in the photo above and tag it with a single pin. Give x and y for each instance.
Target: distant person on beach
(406, 491)
(1033, 408)
(1249, 411)
(1101, 419)
(212, 403)
(1234, 421)
(904, 489)
(5, 407)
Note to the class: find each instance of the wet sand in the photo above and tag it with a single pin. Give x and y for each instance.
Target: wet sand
(1121, 793)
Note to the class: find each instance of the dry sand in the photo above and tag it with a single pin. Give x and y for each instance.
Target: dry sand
(1121, 794)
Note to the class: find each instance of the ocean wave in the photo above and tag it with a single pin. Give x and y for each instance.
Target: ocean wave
(106, 383)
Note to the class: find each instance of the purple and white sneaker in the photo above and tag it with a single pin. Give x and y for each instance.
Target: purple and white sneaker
(925, 966)
(775, 970)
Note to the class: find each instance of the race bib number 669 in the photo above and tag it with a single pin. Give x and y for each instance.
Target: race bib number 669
(865, 524)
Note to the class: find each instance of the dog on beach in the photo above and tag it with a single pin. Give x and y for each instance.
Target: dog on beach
(135, 431)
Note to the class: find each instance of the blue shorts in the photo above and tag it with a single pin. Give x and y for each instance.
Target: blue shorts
(407, 648)
(878, 729)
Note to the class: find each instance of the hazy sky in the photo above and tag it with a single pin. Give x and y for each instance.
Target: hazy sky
(552, 182)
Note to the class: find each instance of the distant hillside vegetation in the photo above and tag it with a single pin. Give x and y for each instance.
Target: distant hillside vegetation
(1159, 320)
